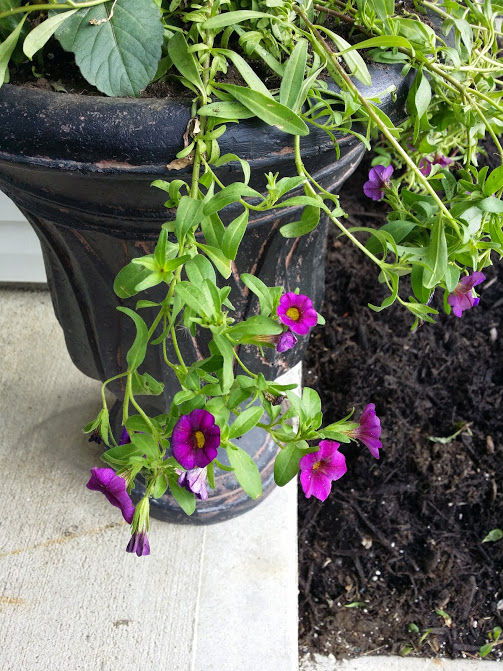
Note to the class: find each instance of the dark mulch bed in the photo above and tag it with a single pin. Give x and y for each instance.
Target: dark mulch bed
(402, 535)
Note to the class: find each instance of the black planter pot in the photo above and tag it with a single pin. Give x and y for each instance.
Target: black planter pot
(80, 169)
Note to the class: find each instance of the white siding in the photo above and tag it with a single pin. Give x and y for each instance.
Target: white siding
(20, 254)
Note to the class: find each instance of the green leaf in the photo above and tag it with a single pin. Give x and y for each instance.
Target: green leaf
(145, 385)
(219, 260)
(7, 47)
(436, 257)
(234, 234)
(398, 230)
(227, 352)
(194, 297)
(491, 204)
(138, 349)
(198, 269)
(291, 83)
(286, 465)
(494, 535)
(119, 55)
(354, 61)
(308, 221)
(226, 109)
(188, 216)
(311, 402)
(36, 39)
(261, 291)
(267, 109)
(230, 18)
(382, 41)
(256, 325)
(245, 421)
(494, 182)
(160, 486)
(183, 60)
(227, 195)
(246, 471)
(146, 445)
(254, 82)
(185, 499)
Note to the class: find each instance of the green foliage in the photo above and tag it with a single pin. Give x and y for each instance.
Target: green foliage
(443, 217)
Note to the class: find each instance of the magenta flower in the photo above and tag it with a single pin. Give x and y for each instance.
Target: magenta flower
(379, 180)
(113, 487)
(139, 543)
(462, 298)
(425, 164)
(369, 430)
(297, 312)
(195, 439)
(319, 469)
(286, 341)
(443, 161)
(195, 481)
(424, 167)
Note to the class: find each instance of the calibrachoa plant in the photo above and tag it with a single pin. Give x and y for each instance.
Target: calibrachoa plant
(443, 210)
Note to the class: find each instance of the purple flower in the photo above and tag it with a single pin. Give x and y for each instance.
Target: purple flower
(297, 312)
(125, 437)
(369, 430)
(195, 481)
(139, 543)
(113, 487)
(462, 298)
(424, 167)
(286, 341)
(443, 161)
(379, 177)
(195, 439)
(319, 469)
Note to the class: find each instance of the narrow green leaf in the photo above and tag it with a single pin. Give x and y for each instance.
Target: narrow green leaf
(7, 47)
(245, 421)
(253, 80)
(381, 41)
(36, 39)
(226, 109)
(234, 234)
(267, 109)
(230, 18)
(184, 61)
(260, 290)
(436, 257)
(138, 349)
(227, 352)
(217, 257)
(354, 61)
(227, 195)
(291, 83)
(246, 471)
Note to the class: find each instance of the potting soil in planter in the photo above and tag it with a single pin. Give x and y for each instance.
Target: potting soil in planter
(400, 538)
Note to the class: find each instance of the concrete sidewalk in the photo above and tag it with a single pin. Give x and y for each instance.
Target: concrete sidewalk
(218, 598)
(321, 663)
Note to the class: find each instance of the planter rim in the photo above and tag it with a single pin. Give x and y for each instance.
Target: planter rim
(97, 134)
